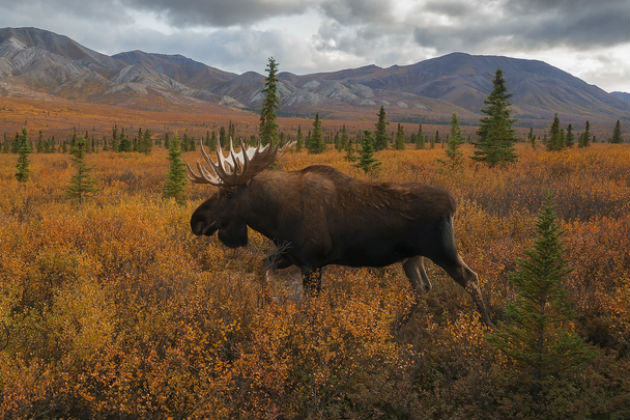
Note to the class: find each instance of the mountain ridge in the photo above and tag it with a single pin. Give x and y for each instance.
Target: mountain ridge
(35, 62)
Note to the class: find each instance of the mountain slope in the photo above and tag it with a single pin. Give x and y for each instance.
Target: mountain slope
(38, 63)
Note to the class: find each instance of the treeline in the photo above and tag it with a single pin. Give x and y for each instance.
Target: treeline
(314, 140)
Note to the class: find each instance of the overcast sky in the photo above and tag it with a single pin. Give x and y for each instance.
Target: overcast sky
(588, 38)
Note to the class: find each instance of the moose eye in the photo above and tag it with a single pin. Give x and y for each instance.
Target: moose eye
(229, 194)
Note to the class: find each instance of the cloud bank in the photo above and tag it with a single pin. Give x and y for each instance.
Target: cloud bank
(586, 38)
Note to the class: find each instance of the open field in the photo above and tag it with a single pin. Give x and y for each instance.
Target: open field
(61, 118)
(114, 310)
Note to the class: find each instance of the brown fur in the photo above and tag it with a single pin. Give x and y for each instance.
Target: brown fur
(321, 216)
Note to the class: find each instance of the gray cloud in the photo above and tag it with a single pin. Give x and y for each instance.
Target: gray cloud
(455, 8)
(358, 11)
(219, 12)
(238, 35)
(527, 25)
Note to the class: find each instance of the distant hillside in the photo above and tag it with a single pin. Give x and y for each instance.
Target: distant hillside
(35, 63)
(624, 96)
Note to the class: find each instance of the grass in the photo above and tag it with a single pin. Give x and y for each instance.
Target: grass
(113, 309)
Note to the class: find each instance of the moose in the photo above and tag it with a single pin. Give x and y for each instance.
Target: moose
(318, 216)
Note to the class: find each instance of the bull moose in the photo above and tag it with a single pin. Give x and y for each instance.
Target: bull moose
(319, 216)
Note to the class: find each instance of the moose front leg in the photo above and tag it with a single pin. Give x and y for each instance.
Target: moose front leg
(312, 280)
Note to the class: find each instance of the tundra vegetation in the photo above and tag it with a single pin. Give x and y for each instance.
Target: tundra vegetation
(113, 309)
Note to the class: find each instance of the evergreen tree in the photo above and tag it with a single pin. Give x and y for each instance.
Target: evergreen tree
(222, 136)
(124, 144)
(569, 138)
(231, 130)
(40, 146)
(268, 126)
(349, 149)
(532, 138)
(367, 161)
(419, 138)
(167, 141)
(400, 138)
(344, 138)
(496, 136)
(616, 138)
(316, 143)
(453, 149)
(213, 141)
(82, 184)
(555, 139)
(176, 181)
(380, 136)
(23, 162)
(115, 140)
(538, 334)
(337, 142)
(585, 137)
(145, 144)
(15, 144)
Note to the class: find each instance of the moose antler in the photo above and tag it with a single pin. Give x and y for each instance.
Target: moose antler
(236, 168)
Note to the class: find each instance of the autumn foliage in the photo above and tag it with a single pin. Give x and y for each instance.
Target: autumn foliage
(113, 310)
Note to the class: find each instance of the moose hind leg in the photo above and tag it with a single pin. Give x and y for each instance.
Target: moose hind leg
(414, 269)
(449, 259)
(469, 280)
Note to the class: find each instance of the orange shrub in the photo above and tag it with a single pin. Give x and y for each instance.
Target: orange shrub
(114, 309)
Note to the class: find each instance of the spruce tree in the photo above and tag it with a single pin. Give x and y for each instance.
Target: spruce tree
(222, 136)
(367, 162)
(380, 136)
(585, 137)
(145, 144)
(538, 333)
(213, 141)
(316, 143)
(344, 137)
(496, 136)
(616, 138)
(176, 181)
(124, 144)
(532, 138)
(167, 141)
(268, 126)
(349, 149)
(23, 149)
(419, 138)
(569, 139)
(400, 138)
(453, 149)
(555, 140)
(82, 184)
(337, 142)
(231, 130)
(40, 146)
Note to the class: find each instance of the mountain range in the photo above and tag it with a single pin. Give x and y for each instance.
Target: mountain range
(35, 63)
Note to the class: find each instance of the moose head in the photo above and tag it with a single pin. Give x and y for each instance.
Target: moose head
(232, 174)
